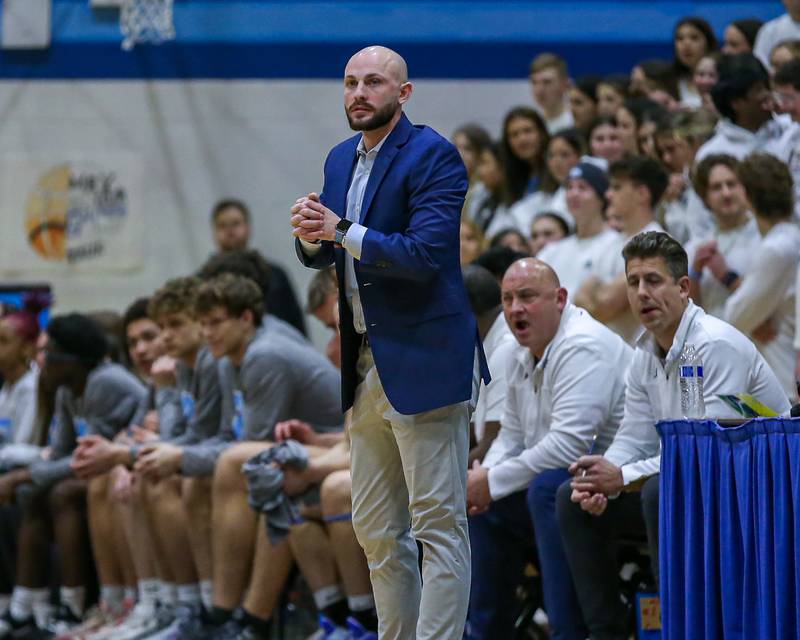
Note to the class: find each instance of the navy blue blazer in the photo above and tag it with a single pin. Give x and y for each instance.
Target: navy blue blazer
(420, 326)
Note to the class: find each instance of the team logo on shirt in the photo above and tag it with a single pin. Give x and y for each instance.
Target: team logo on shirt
(187, 406)
(72, 211)
(238, 415)
(81, 427)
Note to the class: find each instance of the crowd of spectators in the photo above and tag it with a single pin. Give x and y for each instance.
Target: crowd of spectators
(174, 464)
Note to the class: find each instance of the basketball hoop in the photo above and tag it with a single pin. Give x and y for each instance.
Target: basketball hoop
(145, 22)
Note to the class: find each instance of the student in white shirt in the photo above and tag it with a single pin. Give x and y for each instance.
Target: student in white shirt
(483, 291)
(693, 38)
(603, 499)
(734, 243)
(18, 394)
(742, 97)
(676, 143)
(762, 304)
(781, 29)
(636, 186)
(565, 390)
(564, 151)
(579, 256)
(550, 83)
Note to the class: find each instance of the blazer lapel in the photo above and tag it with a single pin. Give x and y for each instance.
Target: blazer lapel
(337, 182)
(397, 138)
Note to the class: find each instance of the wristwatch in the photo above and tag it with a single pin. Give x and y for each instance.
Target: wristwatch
(341, 230)
(729, 278)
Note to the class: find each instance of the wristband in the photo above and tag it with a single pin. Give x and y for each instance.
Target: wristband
(697, 276)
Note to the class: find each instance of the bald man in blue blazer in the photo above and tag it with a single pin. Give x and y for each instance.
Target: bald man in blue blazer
(388, 217)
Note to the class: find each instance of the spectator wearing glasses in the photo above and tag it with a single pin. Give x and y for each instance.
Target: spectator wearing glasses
(787, 89)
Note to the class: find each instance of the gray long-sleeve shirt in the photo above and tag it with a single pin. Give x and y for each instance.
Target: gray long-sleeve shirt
(279, 378)
(192, 411)
(108, 404)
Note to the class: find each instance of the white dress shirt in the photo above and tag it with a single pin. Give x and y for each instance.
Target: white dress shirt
(574, 259)
(498, 346)
(731, 364)
(355, 234)
(767, 293)
(557, 407)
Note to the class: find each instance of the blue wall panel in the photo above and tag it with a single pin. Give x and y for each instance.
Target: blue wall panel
(312, 39)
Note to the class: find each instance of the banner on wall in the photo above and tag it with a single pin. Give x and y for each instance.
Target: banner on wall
(80, 213)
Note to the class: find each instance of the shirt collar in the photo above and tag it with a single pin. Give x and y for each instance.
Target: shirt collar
(647, 340)
(361, 150)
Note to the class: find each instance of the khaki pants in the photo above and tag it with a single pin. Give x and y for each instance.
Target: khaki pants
(409, 484)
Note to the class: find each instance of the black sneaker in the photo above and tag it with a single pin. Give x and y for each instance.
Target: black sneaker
(10, 627)
(228, 631)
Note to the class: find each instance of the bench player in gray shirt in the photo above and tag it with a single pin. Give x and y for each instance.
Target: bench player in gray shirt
(93, 397)
(266, 378)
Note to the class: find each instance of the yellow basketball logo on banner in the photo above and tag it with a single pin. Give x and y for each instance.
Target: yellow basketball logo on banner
(71, 209)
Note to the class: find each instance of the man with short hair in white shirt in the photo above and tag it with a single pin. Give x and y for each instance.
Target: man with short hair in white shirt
(550, 84)
(483, 292)
(636, 186)
(564, 397)
(783, 28)
(603, 501)
(581, 255)
(734, 243)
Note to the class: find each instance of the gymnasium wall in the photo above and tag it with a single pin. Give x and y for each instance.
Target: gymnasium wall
(246, 102)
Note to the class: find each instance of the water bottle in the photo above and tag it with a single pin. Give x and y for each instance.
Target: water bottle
(690, 371)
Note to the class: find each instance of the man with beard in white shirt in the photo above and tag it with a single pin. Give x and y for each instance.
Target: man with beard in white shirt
(580, 255)
(734, 243)
(604, 499)
(636, 186)
(762, 304)
(565, 394)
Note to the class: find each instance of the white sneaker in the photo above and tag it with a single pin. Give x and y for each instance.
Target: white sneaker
(141, 617)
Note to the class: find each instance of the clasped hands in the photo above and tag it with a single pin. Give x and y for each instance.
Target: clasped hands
(311, 220)
(594, 479)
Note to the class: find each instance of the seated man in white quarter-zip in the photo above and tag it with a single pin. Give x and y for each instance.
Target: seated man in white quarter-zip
(565, 389)
(603, 499)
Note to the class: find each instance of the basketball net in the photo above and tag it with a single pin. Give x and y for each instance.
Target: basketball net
(145, 21)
